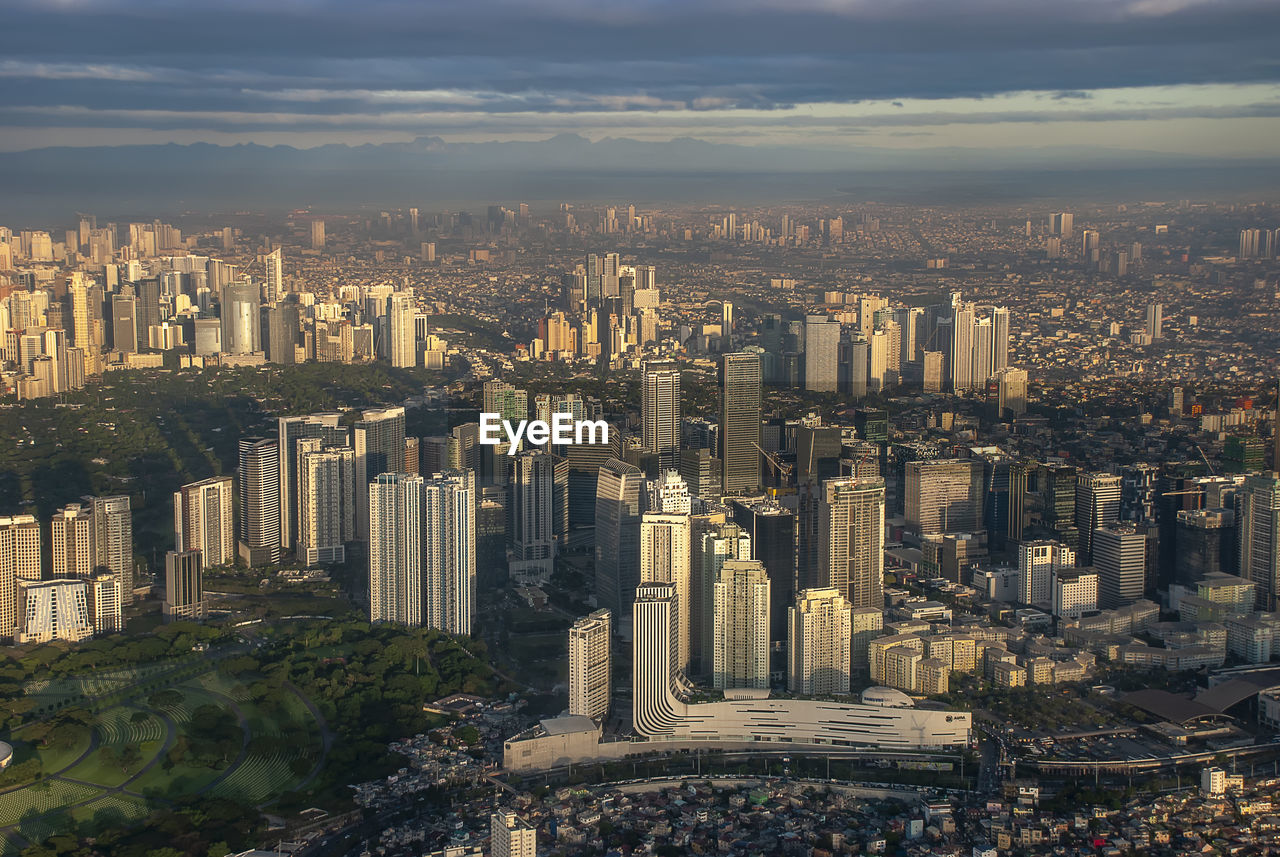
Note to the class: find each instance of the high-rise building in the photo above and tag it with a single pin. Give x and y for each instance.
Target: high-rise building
(449, 551)
(1097, 505)
(741, 648)
(590, 665)
(330, 431)
(1075, 592)
(510, 836)
(53, 610)
(317, 235)
(395, 548)
(1155, 321)
(1120, 559)
(1012, 392)
(510, 403)
(113, 541)
(274, 285)
(655, 654)
(379, 445)
(740, 422)
(668, 494)
(402, 345)
(327, 497)
(618, 511)
(282, 332)
(259, 477)
(851, 541)
(771, 529)
(664, 558)
(106, 603)
(202, 520)
(1038, 562)
(866, 623)
(19, 561)
(821, 353)
(717, 545)
(660, 411)
(1259, 537)
(72, 542)
(819, 643)
(241, 314)
(532, 515)
(1062, 224)
(1204, 544)
(944, 496)
(184, 586)
(124, 324)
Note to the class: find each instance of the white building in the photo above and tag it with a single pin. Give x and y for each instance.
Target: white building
(591, 665)
(820, 643)
(54, 610)
(395, 549)
(741, 650)
(664, 558)
(510, 836)
(106, 603)
(1075, 592)
(1037, 562)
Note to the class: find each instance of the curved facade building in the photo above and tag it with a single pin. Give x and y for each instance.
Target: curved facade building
(661, 714)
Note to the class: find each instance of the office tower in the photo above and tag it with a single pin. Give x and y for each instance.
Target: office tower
(379, 445)
(19, 560)
(53, 610)
(395, 548)
(326, 501)
(944, 496)
(509, 836)
(1120, 559)
(1204, 544)
(72, 542)
(1075, 592)
(317, 235)
(532, 515)
(1062, 224)
(1243, 455)
(664, 558)
(289, 430)
(113, 541)
(618, 513)
(654, 653)
(668, 494)
(448, 551)
(960, 364)
(701, 471)
(1155, 320)
(1012, 392)
(590, 665)
(817, 451)
(184, 586)
(202, 521)
(512, 404)
(412, 460)
(821, 352)
(660, 411)
(1038, 562)
(740, 411)
(1250, 242)
(1259, 537)
(1097, 505)
(282, 333)
(771, 529)
(148, 292)
(259, 477)
(851, 546)
(124, 324)
(402, 348)
(715, 546)
(241, 319)
(105, 603)
(274, 286)
(741, 606)
(819, 643)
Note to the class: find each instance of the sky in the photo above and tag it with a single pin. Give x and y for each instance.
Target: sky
(1197, 77)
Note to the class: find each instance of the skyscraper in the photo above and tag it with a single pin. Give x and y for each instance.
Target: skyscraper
(241, 319)
(274, 285)
(819, 644)
(1097, 505)
(618, 511)
(113, 541)
(660, 411)
(771, 529)
(449, 551)
(289, 430)
(944, 496)
(72, 542)
(379, 445)
(259, 476)
(717, 545)
(19, 561)
(124, 323)
(105, 603)
(1259, 534)
(402, 347)
(664, 558)
(1155, 320)
(512, 404)
(532, 515)
(395, 549)
(851, 550)
(326, 501)
(282, 332)
(202, 521)
(317, 235)
(741, 651)
(668, 494)
(821, 351)
(510, 836)
(53, 610)
(740, 422)
(590, 665)
(183, 586)
(1120, 559)
(1038, 562)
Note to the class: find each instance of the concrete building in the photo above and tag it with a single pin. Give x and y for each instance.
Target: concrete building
(664, 558)
(591, 665)
(944, 496)
(851, 539)
(203, 521)
(1120, 559)
(819, 645)
(1075, 591)
(184, 586)
(53, 610)
(741, 629)
(660, 411)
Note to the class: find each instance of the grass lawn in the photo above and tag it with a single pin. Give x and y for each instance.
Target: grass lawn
(52, 758)
(41, 797)
(110, 809)
(104, 766)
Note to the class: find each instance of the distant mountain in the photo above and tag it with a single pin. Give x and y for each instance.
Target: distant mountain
(429, 170)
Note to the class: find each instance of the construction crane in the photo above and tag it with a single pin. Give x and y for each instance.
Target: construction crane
(784, 469)
(1206, 460)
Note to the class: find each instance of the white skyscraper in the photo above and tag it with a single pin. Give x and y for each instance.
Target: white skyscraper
(402, 347)
(669, 494)
(664, 558)
(202, 520)
(19, 561)
(395, 549)
(660, 411)
(54, 610)
(326, 491)
(72, 542)
(274, 286)
(510, 836)
(821, 353)
(113, 540)
(105, 603)
(721, 543)
(820, 643)
(590, 665)
(449, 552)
(741, 656)
(532, 515)
(1037, 563)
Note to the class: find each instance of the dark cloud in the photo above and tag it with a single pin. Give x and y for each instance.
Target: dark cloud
(326, 59)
